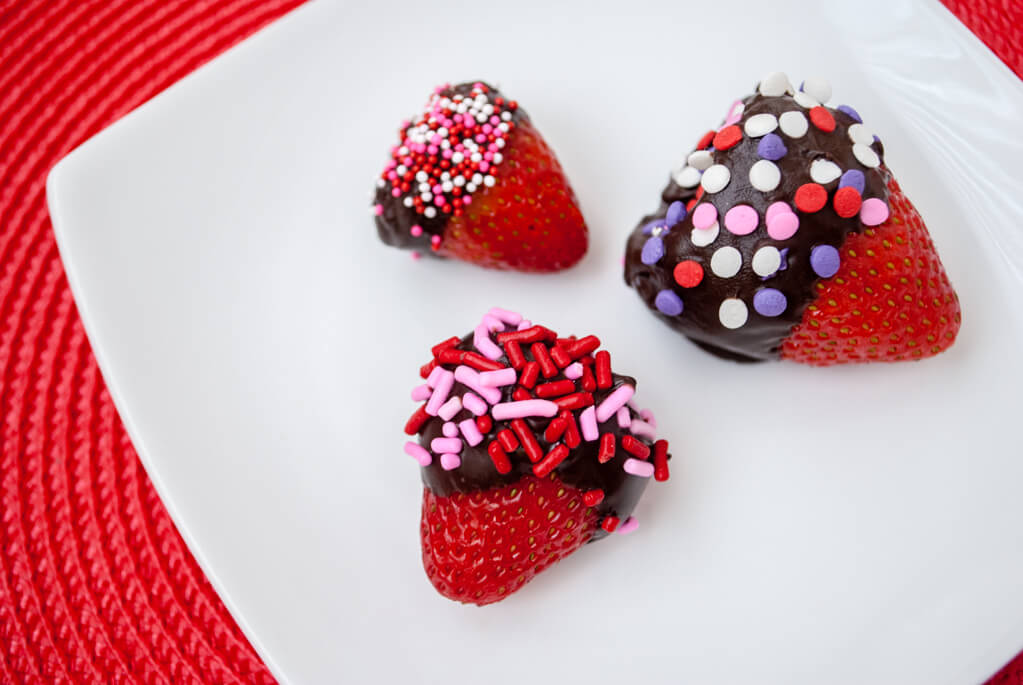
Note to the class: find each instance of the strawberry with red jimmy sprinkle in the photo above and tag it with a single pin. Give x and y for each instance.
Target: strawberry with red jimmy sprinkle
(471, 178)
(530, 447)
(785, 236)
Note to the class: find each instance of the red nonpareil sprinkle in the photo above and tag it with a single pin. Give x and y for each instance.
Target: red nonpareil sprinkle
(607, 448)
(416, 421)
(847, 202)
(441, 346)
(425, 369)
(811, 197)
(528, 440)
(521, 395)
(592, 498)
(603, 369)
(484, 423)
(572, 437)
(661, 460)
(550, 461)
(609, 523)
(727, 137)
(514, 353)
(560, 357)
(705, 141)
(635, 447)
(583, 346)
(588, 382)
(555, 429)
(530, 372)
(822, 119)
(541, 356)
(530, 335)
(555, 389)
(578, 400)
(469, 358)
(498, 456)
(508, 440)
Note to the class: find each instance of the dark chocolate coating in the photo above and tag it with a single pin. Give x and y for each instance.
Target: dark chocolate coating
(396, 220)
(580, 469)
(761, 336)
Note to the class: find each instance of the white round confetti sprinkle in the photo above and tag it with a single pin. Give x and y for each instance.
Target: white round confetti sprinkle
(817, 88)
(701, 159)
(793, 124)
(716, 178)
(702, 237)
(725, 262)
(764, 176)
(760, 125)
(766, 260)
(866, 156)
(775, 84)
(824, 171)
(688, 177)
(804, 100)
(858, 133)
(733, 313)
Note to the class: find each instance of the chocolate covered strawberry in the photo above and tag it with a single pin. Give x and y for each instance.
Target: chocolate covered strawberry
(472, 179)
(530, 447)
(785, 235)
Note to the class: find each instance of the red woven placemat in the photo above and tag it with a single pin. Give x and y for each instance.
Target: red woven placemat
(96, 585)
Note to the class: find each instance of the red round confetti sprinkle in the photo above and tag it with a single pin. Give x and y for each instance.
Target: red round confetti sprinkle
(847, 202)
(822, 119)
(811, 197)
(727, 137)
(688, 273)
(705, 140)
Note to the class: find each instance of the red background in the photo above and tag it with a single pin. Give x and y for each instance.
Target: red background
(96, 585)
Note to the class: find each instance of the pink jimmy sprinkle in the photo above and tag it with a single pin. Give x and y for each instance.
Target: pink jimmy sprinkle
(486, 346)
(419, 453)
(434, 376)
(449, 462)
(441, 391)
(523, 409)
(588, 424)
(471, 432)
(420, 392)
(497, 379)
(636, 467)
(450, 430)
(648, 416)
(474, 403)
(624, 418)
(574, 371)
(450, 408)
(642, 429)
(510, 318)
(493, 323)
(630, 525)
(446, 445)
(614, 402)
(470, 378)
(524, 324)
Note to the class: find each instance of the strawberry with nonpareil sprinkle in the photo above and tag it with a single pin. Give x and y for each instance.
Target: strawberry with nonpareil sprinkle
(472, 179)
(785, 235)
(530, 446)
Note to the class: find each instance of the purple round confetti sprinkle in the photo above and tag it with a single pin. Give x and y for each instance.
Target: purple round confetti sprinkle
(676, 212)
(653, 250)
(769, 302)
(667, 302)
(851, 112)
(853, 179)
(771, 147)
(825, 261)
(649, 228)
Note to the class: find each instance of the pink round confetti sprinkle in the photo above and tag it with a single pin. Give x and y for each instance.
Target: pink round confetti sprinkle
(630, 525)
(588, 424)
(421, 392)
(741, 220)
(776, 208)
(450, 445)
(450, 408)
(449, 430)
(419, 453)
(614, 402)
(449, 462)
(873, 212)
(624, 418)
(574, 371)
(636, 467)
(471, 432)
(474, 403)
(704, 215)
(783, 225)
(523, 409)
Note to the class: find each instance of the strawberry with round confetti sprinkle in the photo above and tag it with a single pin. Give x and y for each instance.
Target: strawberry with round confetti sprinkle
(784, 235)
(471, 178)
(530, 446)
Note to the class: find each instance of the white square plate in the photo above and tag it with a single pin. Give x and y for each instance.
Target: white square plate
(845, 525)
